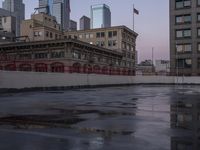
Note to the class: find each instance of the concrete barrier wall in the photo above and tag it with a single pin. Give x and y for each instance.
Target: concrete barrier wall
(20, 80)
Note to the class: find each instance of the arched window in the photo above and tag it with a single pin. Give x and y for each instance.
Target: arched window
(105, 70)
(90, 69)
(10, 67)
(76, 68)
(96, 69)
(85, 68)
(124, 72)
(129, 72)
(112, 71)
(41, 67)
(25, 67)
(57, 67)
(118, 71)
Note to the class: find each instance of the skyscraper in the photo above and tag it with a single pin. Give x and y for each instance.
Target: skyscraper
(73, 25)
(84, 23)
(100, 16)
(61, 10)
(17, 7)
(185, 37)
(45, 6)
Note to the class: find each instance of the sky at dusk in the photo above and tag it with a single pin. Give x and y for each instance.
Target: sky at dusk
(152, 24)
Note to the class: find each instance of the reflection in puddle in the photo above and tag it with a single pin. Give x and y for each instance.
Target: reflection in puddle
(139, 118)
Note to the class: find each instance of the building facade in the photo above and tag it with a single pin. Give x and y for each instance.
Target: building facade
(185, 116)
(100, 16)
(119, 38)
(184, 37)
(41, 27)
(84, 23)
(162, 67)
(45, 6)
(145, 68)
(68, 55)
(73, 25)
(7, 26)
(6, 37)
(61, 10)
(17, 7)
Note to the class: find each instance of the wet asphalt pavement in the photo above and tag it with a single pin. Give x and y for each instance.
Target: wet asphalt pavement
(115, 118)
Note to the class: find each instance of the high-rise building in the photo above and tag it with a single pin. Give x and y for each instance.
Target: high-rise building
(84, 23)
(100, 16)
(16, 7)
(73, 25)
(185, 37)
(45, 6)
(61, 10)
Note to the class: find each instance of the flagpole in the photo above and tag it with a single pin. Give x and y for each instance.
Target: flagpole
(133, 18)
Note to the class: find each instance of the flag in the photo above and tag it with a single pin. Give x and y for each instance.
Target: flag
(135, 11)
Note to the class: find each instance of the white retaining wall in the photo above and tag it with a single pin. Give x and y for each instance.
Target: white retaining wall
(20, 80)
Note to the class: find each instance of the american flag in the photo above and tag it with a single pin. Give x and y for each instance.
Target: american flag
(135, 11)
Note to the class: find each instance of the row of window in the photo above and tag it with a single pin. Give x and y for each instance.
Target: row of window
(47, 34)
(52, 55)
(183, 3)
(186, 33)
(179, 4)
(41, 55)
(127, 46)
(78, 55)
(98, 35)
(111, 43)
(186, 63)
(186, 48)
(186, 18)
(127, 37)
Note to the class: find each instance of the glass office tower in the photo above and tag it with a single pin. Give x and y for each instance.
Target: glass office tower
(46, 3)
(100, 16)
(17, 8)
(61, 10)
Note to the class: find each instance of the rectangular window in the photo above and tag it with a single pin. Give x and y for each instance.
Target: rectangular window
(76, 55)
(112, 34)
(80, 36)
(183, 19)
(198, 47)
(184, 48)
(198, 2)
(184, 63)
(102, 34)
(183, 33)
(41, 55)
(51, 35)
(182, 4)
(102, 43)
(58, 54)
(198, 32)
(198, 17)
(198, 62)
(87, 36)
(98, 35)
(109, 43)
(91, 35)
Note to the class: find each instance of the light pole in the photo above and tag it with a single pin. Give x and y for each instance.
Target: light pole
(152, 59)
